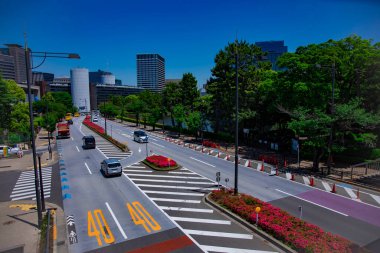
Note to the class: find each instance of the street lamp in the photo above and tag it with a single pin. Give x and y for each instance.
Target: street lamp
(332, 111)
(236, 119)
(28, 55)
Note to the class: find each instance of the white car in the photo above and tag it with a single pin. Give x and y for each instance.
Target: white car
(94, 119)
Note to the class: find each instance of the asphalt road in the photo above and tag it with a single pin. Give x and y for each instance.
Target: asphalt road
(356, 221)
(120, 215)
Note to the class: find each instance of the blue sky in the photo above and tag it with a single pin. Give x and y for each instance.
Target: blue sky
(188, 34)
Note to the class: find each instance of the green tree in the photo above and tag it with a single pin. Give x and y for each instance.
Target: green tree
(20, 118)
(304, 92)
(180, 116)
(136, 106)
(188, 91)
(194, 122)
(171, 97)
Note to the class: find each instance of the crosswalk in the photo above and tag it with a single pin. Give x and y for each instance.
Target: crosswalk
(179, 193)
(109, 150)
(25, 185)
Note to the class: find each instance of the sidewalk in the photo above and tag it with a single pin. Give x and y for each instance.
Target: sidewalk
(18, 219)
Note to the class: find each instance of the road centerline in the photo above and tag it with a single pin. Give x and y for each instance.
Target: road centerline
(116, 221)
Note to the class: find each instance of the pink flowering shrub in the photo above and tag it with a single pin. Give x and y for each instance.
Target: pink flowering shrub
(296, 233)
(210, 144)
(161, 161)
(92, 125)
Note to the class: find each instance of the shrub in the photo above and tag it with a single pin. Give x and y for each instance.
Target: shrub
(210, 144)
(296, 233)
(161, 161)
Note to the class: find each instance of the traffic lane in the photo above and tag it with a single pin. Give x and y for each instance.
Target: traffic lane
(357, 231)
(172, 240)
(92, 192)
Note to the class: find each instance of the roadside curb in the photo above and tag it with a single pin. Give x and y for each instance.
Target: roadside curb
(353, 183)
(251, 227)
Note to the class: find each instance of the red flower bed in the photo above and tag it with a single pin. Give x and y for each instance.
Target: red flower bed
(272, 159)
(97, 128)
(296, 233)
(210, 144)
(161, 161)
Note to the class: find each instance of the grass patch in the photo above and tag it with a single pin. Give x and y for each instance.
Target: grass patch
(154, 167)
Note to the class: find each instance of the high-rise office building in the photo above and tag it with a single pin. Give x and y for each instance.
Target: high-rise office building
(18, 54)
(7, 66)
(150, 71)
(274, 49)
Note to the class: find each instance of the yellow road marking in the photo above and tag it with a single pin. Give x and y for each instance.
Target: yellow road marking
(24, 207)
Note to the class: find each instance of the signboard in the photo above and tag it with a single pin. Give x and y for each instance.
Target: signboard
(294, 146)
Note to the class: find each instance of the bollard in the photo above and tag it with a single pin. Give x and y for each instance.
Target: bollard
(292, 177)
(218, 154)
(276, 169)
(285, 164)
(311, 181)
(333, 189)
(262, 166)
(249, 163)
(357, 194)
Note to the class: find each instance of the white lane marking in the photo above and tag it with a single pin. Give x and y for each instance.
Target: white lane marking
(26, 180)
(80, 129)
(184, 209)
(183, 169)
(169, 181)
(153, 139)
(25, 193)
(231, 250)
(72, 138)
(157, 144)
(196, 220)
(219, 234)
(183, 173)
(166, 176)
(164, 213)
(116, 221)
(25, 185)
(30, 196)
(143, 171)
(351, 193)
(306, 180)
(28, 189)
(326, 186)
(376, 198)
(167, 186)
(89, 171)
(202, 162)
(101, 152)
(311, 202)
(176, 200)
(175, 193)
(136, 167)
(77, 148)
(127, 135)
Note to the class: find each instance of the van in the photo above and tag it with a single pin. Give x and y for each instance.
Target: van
(111, 167)
(88, 142)
(140, 136)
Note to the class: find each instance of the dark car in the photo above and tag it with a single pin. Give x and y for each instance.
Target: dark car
(70, 121)
(140, 136)
(88, 142)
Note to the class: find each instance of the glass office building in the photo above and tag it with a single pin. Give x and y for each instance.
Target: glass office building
(150, 72)
(274, 49)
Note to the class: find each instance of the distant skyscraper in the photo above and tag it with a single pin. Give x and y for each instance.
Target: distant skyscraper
(19, 67)
(7, 66)
(150, 71)
(274, 48)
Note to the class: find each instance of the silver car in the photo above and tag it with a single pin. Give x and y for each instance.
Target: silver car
(111, 167)
(140, 136)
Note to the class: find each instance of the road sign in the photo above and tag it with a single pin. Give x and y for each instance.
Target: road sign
(218, 174)
(218, 179)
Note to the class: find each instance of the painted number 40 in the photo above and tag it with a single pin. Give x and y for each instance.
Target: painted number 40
(141, 217)
(100, 225)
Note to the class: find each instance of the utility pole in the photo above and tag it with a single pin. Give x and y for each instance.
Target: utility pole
(332, 114)
(236, 119)
(36, 183)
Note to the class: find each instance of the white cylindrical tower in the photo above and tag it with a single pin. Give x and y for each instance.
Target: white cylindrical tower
(107, 79)
(80, 89)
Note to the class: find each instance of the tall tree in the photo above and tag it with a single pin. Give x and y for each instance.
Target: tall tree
(171, 97)
(188, 91)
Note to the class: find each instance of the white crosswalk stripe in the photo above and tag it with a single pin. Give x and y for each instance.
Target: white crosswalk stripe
(179, 193)
(25, 185)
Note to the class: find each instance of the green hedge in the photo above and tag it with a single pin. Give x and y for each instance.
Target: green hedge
(118, 144)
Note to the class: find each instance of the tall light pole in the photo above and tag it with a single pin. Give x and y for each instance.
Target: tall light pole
(236, 119)
(28, 55)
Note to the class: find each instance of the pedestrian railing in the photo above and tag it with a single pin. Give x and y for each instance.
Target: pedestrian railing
(370, 168)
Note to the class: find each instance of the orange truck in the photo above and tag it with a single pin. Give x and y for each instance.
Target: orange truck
(63, 130)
